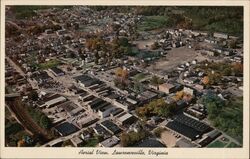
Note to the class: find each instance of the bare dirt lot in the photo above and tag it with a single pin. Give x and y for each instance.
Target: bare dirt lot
(175, 57)
(142, 44)
(168, 138)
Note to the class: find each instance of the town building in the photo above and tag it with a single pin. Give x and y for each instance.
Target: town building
(56, 71)
(167, 88)
(110, 142)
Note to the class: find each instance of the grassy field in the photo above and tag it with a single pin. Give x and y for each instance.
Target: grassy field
(152, 22)
(49, 64)
(139, 76)
(217, 144)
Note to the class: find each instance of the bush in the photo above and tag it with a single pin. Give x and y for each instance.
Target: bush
(129, 139)
(158, 131)
(226, 116)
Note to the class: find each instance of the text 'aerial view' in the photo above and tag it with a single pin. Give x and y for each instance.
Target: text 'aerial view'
(124, 76)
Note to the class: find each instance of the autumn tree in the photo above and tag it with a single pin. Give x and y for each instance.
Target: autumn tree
(205, 80)
(238, 68)
(121, 77)
(156, 107)
(21, 143)
(178, 95)
(214, 78)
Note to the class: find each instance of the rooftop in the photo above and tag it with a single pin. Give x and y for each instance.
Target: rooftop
(124, 116)
(56, 70)
(112, 141)
(66, 128)
(110, 126)
(149, 143)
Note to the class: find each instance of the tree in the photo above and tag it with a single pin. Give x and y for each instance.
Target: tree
(179, 95)
(156, 107)
(158, 131)
(97, 57)
(238, 68)
(232, 44)
(45, 122)
(125, 140)
(21, 143)
(66, 143)
(121, 77)
(138, 87)
(33, 95)
(129, 139)
(155, 80)
(214, 78)
(155, 46)
(205, 80)
(123, 42)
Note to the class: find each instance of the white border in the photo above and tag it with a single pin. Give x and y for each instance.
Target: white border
(37, 152)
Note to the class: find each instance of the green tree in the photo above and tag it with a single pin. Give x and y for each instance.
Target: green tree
(33, 95)
(45, 122)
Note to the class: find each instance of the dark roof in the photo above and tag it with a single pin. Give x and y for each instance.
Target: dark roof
(68, 106)
(90, 82)
(183, 129)
(66, 128)
(104, 108)
(149, 143)
(87, 80)
(42, 75)
(96, 101)
(82, 78)
(113, 96)
(101, 130)
(112, 127)
(56, 70)
(88, 98)
(116, 111)
(97, 104)
(188, 127)
(197, 125)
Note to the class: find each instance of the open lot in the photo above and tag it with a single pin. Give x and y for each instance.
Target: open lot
(168, 138)
(144, 43)
(175, 57)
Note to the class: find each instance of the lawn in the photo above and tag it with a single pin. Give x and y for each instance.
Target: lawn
(232, 145)
(217, 144)
(139, 76)
(49, 64)
(152, 22)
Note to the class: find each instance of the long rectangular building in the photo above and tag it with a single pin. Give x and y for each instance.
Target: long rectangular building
(188, 127)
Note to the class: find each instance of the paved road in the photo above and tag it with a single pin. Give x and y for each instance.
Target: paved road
(180, 79)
